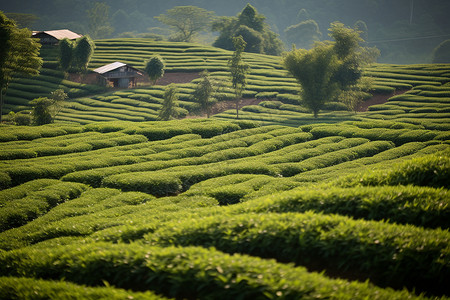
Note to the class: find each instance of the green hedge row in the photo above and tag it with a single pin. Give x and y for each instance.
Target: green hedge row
(393, 255)
(17, 212)
(28, 288)
(431, 170)
(189, 272)
(419, 206)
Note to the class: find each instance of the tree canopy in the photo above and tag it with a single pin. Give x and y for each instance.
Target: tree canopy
(330, 68)
(154, 67)
(238, 70)
(187, 21)
(303, 34)
(82, 53)
(168, 110)
(204, 93)
(252, 27)
(19, 54)
(98, 17)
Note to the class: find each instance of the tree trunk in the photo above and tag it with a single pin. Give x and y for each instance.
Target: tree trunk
(237, 109)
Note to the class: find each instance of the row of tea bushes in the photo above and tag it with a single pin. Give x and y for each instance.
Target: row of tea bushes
(184, 272)
(431, 170)
(17, 212)
(387, 254)
(419, 206)
(28, 288)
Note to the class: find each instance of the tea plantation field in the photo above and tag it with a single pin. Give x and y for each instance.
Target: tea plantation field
(225, 209)
(107, 203)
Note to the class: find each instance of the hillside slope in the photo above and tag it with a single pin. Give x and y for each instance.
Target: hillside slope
(343, 206)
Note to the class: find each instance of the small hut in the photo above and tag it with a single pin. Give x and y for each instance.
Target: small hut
(52, 37)
(119, 74)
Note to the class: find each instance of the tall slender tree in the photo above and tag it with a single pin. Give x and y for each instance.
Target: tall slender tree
(204, 93)
(65, 54)
(170, 103)
(330, 68)
(19, 55)
(238, 70)
(82, 53)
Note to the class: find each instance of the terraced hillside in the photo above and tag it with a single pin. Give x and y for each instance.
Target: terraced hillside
(345, 206)
(426, 98)
(217, 209)
(22, 90)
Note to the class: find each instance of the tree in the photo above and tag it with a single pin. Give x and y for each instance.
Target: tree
(98, 17)
(187, 21)
(238, 70)
(65, 54)
(23, 20)
(441, 54)
(251, 26)
(82, 53)
(42, 111)
(170, 103)
(45, 109)
(303, 34)
(155, 68)
(19, 55)
(204, 93)
(328, 69)
(361, 26)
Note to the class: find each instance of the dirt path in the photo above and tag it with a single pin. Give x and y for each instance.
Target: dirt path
(377, 99)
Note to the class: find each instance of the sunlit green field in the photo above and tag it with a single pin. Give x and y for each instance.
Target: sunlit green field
(277, 204)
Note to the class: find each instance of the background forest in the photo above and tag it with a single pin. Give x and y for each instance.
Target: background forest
(405, 31)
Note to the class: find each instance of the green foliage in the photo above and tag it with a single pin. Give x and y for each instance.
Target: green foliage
(238, 70)
(168, 110)
(82, 53)
(154, 67)
(251, 26)
(66, 49)
(303, 34)
(27, 288)
(431, 170)
(185, 272)
(98, 18)
(42, 111)
(187, 21)
(204, 93)
(337, 242)
(19, 55)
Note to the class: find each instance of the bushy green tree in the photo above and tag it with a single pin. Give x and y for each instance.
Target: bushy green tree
(441, 54)
(303, 34)
(170, 103)
(45, 109)
(154, 67)
(238, 70)
(65, 54)
(19, 54)
(251, 26)
(82, 53)
(98, 17)
(204, 93)
(187, 21)
(42, 111)
(328, 69)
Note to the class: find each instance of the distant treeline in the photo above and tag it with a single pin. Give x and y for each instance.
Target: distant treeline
(406, 31)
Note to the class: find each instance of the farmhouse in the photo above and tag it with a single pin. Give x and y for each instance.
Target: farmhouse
(52, 37)
(119, 74)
